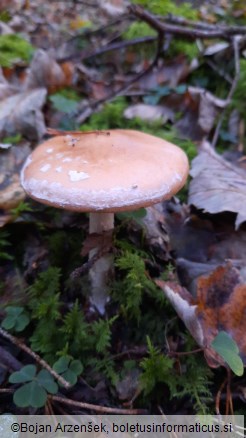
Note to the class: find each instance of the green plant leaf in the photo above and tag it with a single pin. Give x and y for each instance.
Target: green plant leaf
(46, 380)
(16, 319)
(63, 104)
(22, 322)
(180, 89)
(8, 323)
(227, 348)
(26, 374)
(70, 376)
(61, 364)
(31, 394)
(76, 366)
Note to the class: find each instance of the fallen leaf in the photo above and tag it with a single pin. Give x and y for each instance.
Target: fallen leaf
(149, 113)
(219, 305)
(217, 185)
(216, 48)
(11, 191)
(209, 106)
(6, 89)
(22, 113)
(46, 72)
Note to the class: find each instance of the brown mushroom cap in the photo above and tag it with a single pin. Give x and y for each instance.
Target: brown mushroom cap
(104, 171)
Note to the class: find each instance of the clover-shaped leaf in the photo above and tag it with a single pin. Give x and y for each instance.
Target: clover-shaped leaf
(68, 368)
(35, 392)
(30, 394)
(26, 374)
(16, 319)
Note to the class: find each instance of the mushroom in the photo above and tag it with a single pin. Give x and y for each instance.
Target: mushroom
(104, 172)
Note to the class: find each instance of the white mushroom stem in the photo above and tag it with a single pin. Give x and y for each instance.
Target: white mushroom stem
(100, 272)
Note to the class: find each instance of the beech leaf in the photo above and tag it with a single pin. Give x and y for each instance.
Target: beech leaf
(217, 185)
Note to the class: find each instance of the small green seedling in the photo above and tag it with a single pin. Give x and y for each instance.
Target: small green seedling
(36, 386)
(16, 319)
(227, 348)
(68, 368)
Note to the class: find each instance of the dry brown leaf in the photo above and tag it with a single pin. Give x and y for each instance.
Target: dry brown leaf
(11, 191)
(46, 72)
(149, 113)
(217, 185)
(220, 305)
(22, 113)
(6, 89)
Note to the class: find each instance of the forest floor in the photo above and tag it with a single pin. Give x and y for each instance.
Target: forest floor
(172, 338)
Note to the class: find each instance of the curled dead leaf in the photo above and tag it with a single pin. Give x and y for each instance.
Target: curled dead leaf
(149, 113)
(11, 191)
(22, 113)
(217, 185)
(46, 72)
(220, 305)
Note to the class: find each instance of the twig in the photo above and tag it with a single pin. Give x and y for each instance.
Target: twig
(35, 356)
(97, 408)
(229, 403)
(218, 396)
(191, 32)
(81, 270)
(201, 25)
(94, 105)
(232, 89)
(184, 353)
(100, 29)
(219, 71)
(109, 48)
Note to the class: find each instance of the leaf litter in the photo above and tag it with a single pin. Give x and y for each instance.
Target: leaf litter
(202, 240)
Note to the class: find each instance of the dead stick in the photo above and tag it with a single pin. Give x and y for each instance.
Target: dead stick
(96, 408)
(218, 396)
(35, 356)
(232, 89)
(108, 48)
(190, 32)
(202, 25)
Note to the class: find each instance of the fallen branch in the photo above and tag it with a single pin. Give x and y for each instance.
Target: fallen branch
(239, 30)
(193, 31)
(96, 408)
(232, 89)
(35, 356)
(83, 56)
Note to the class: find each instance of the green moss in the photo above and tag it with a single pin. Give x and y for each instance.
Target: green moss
(5, 16)
(165, 7)
(189, 49)
(112, 117)
(138, 30)
(14, 48)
